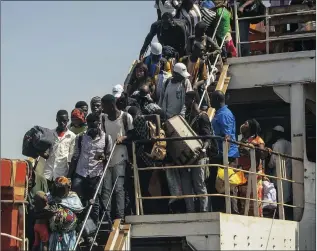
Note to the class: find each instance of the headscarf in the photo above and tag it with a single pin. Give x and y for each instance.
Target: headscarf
(62, 182)
(95, 100)
(78, 114)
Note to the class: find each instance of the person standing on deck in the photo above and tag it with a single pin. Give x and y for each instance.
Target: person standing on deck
(283, 146)
(61, 153)
(224, 125)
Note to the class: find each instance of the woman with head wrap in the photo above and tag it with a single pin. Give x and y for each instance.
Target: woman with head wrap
(78, 125)
(250, 131)
(63, 224)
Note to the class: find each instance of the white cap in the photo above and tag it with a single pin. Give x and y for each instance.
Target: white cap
(156, 48)
(181, 69)
(278, 128)
(117, 91)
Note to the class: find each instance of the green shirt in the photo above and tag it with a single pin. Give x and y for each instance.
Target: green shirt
(40, 185)
(224, 26)
(78, 130)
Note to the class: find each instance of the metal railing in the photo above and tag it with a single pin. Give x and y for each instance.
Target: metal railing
(267, 18)
(251, 181)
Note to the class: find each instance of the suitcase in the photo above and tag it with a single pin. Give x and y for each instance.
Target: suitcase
(182, 152)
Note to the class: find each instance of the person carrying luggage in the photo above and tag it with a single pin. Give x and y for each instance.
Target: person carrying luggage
(169, 31)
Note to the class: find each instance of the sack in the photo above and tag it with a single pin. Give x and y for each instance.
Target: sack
(159, 148)
(257, 8)
(63, 221)
(37, 140)
(235, 179)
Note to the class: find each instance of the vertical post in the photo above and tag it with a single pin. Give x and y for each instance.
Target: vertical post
(137, 207)
(237, 27)
(225, 161)
(267, 30)
(279, 182)
(23, 236)
(254, 186)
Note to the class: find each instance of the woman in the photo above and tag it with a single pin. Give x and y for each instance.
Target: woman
(78, 125)
(63, 224)
(250, 131)
(139, 77)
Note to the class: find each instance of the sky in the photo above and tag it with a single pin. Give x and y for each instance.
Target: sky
(54, 54)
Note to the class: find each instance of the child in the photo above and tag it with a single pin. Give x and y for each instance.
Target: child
(42, 214)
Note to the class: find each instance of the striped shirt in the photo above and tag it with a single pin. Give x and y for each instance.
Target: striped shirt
(191, 18)
(87, 165)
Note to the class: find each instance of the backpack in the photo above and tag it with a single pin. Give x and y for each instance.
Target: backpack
(159, 148)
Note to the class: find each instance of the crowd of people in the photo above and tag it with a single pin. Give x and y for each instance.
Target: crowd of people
(170, 82)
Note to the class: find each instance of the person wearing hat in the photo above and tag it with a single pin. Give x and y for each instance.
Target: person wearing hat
(169, 31)
(173, 97)
(283, 146)
(122, 98)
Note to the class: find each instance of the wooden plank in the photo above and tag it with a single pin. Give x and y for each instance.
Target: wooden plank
(113, 235)
(119, 241)
(290, 8)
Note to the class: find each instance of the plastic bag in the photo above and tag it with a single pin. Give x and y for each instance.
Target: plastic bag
(235, 179)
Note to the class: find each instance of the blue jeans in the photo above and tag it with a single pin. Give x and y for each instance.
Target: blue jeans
(244, 26)
(86, 187)
(112, 173)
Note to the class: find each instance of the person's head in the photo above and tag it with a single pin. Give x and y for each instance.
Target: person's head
(278, 132)
(217, 99)
(78, 117)
(180, 72)
(141, 71)
(251, 127)
(191, 98)
(188, 4)
(134, 111)
(198, 50)
(62, 120)
(82, 105)
(61, 187)
(108, 103)
(117, 91)
(200, 29)
(93, 123)
(208, 4)
(95, 105)
(40, 200)
(144, 90)
(167, 20)
(156, 51)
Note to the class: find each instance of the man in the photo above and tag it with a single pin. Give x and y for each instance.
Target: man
(224, 125)
(78, 125)
(197, 69)
(173, 96)
(122, 98)
(200, 36)
(190, 12)
(285, 147)
(169, 31)
(95, 106)
(82, 105)
(194, 179)
(60, 154)
(118, 125)
(143, 96)
(91, 152)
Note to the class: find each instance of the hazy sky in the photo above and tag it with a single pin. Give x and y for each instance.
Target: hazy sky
(56, 53)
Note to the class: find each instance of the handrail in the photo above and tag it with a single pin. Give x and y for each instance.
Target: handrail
(95, 195)
(267, 17)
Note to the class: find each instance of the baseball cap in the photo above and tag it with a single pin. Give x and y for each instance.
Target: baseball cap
(278, 128)
(156, 48)
(117, 91)
(181, 69)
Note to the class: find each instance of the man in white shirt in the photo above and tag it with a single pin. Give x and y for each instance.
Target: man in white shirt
(119, 125)
(281, 145)
(61, 153)
(173, 96)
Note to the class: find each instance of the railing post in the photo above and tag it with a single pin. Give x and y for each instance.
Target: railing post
(279, 183)
(226, 176)
(254, 183)
(137, 206)
(267, 30)
(237, 31)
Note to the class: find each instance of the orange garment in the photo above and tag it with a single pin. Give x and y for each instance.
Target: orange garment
(245, 162)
